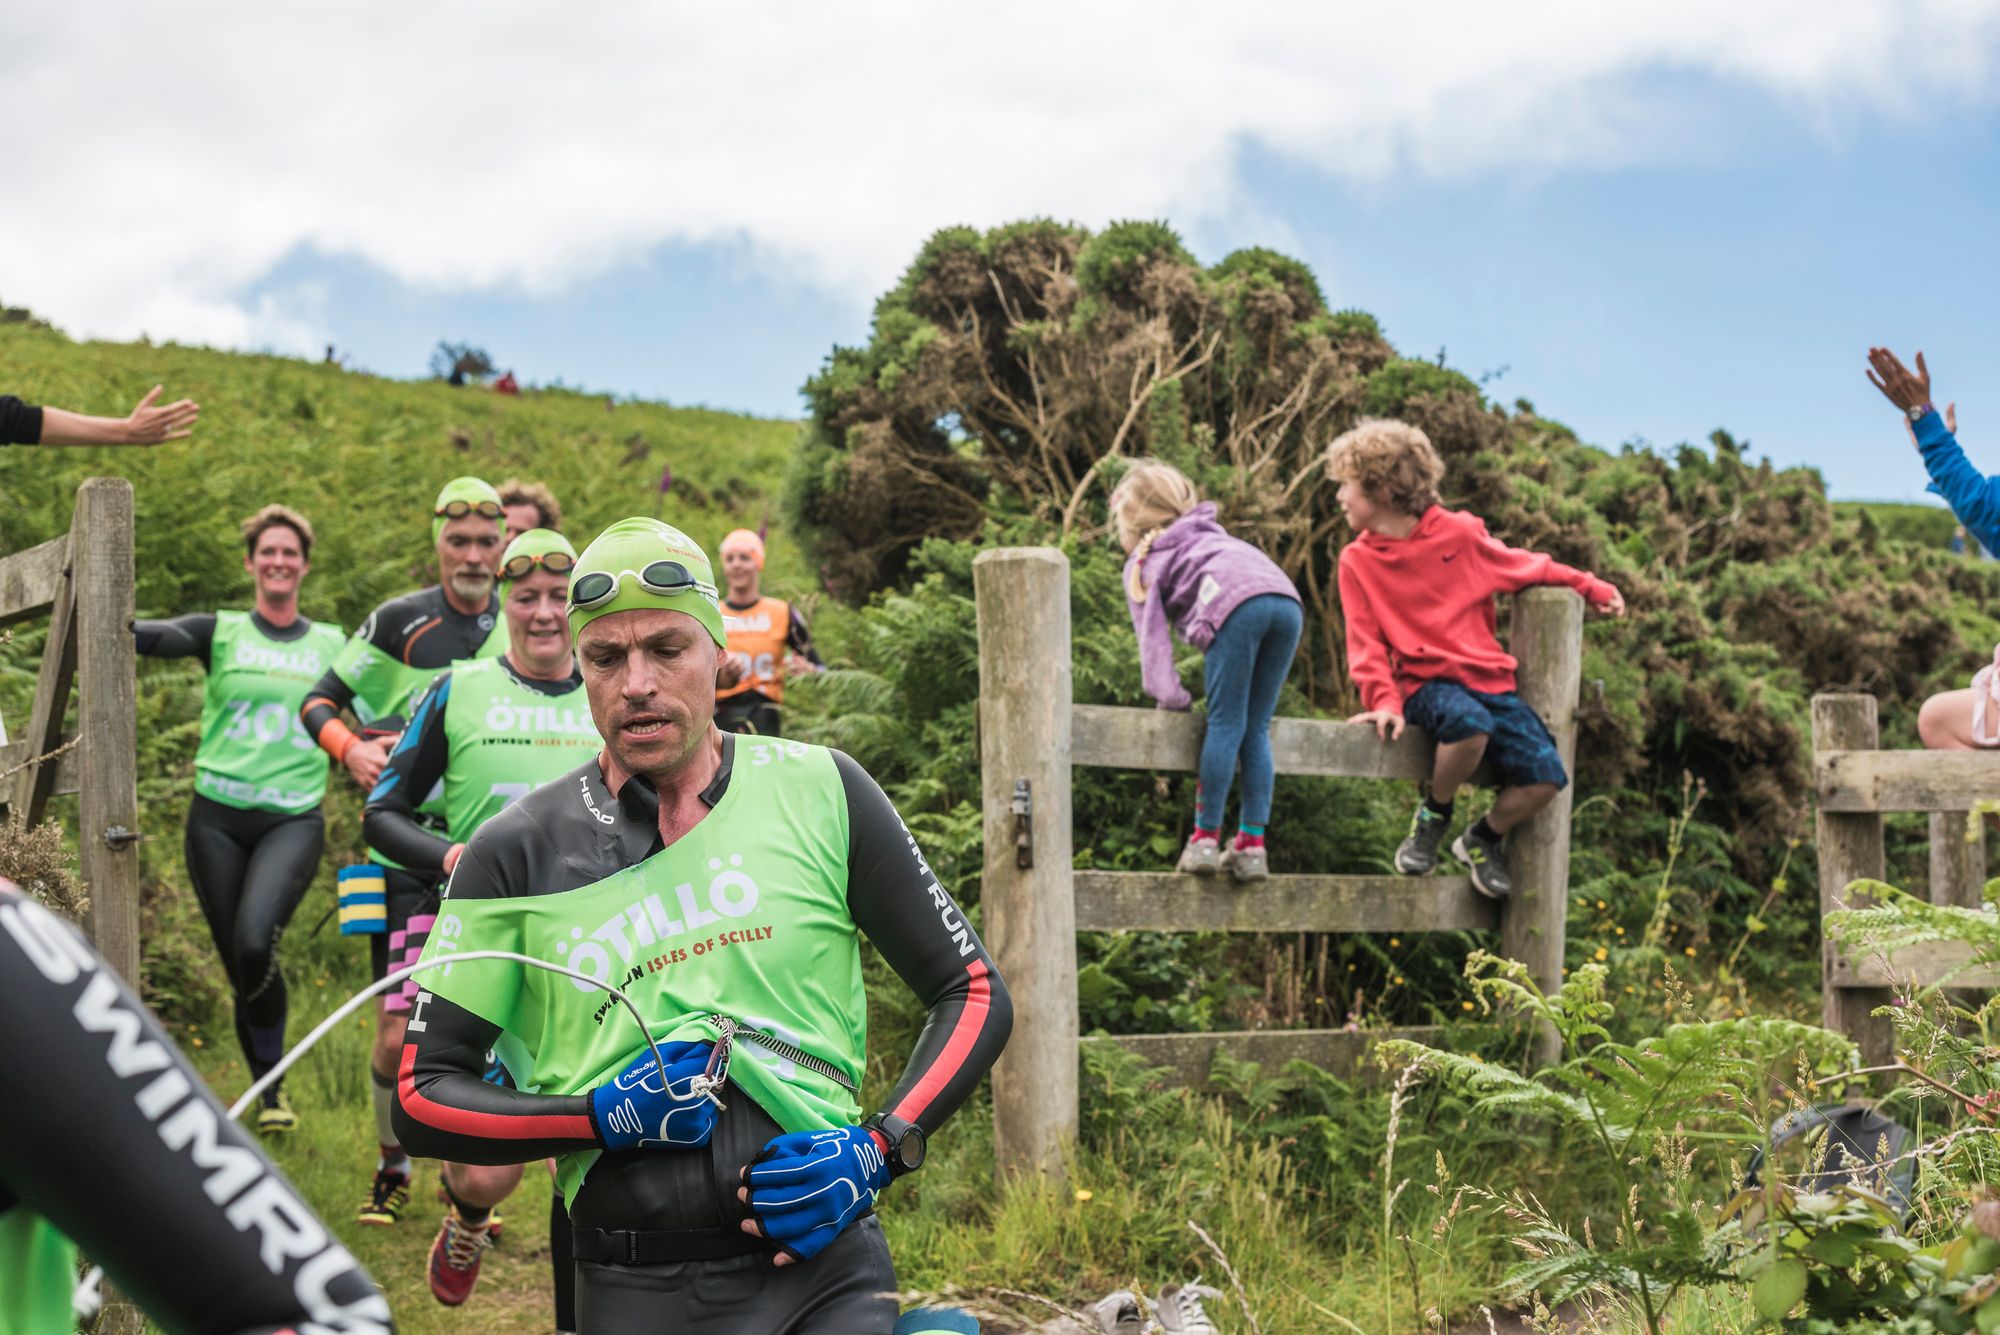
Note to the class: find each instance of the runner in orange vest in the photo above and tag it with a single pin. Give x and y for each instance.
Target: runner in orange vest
(764, 633)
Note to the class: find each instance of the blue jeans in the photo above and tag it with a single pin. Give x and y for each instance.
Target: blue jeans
(1242, 673)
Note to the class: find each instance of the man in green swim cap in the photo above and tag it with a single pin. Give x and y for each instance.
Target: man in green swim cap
(724, 883)
(377, 675)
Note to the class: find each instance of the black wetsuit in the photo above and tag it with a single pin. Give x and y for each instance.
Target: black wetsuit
(250, 868)
(575, 832)
(417, 636)
(108, 1134)
(20, 423)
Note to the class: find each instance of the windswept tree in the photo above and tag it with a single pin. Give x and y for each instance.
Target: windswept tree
(460, 362)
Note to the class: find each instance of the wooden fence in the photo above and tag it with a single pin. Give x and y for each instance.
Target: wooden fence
(1855, 784)
(82, 581)
(1032, 733)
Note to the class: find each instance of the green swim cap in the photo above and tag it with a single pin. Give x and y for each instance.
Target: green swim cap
(623, 552)
(468, 489)
(535, 542)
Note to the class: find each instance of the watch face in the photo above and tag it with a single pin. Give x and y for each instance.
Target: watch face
(910, 1149)
(1917, 411)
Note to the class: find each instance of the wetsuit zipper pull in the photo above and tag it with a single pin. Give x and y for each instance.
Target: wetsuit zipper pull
(711, 1080)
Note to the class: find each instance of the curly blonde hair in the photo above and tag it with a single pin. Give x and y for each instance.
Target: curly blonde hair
(1393, 462)
(1149, 497)
(277, 516)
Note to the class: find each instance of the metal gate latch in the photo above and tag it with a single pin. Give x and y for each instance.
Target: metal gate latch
(1023, 807)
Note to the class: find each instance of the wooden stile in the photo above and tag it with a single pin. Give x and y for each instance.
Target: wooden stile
(1031, 731)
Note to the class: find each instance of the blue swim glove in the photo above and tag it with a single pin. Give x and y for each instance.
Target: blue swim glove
(807, 1186)
(642, 1109)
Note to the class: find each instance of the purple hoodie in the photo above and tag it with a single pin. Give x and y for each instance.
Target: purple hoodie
(1195, 575)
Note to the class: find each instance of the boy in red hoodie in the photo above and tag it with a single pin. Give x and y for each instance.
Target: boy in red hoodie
(1417, 586)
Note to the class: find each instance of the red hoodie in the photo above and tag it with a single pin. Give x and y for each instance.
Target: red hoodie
(1421, 608)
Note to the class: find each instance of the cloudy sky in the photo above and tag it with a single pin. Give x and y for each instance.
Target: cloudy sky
(1650, 219)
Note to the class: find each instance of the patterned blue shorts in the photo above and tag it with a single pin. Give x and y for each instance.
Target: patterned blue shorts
(1518, 744)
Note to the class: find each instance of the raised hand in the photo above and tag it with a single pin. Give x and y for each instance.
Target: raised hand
(149, 425)
(1888, 374)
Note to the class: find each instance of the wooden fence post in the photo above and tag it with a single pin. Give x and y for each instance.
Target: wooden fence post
(1958, 863)
(1022, 595)
(1850, 848)
(1548, 641)
(107, 708)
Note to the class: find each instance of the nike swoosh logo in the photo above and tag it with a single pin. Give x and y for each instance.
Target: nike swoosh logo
(1452, 557)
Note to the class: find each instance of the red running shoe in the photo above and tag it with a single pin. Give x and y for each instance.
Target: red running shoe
(455, 1258)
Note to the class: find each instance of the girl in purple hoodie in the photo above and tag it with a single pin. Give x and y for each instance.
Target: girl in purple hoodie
(1229, 600)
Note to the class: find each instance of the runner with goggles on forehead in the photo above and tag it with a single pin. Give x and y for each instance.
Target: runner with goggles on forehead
(489, 731)
(399, 649)
(725, 884)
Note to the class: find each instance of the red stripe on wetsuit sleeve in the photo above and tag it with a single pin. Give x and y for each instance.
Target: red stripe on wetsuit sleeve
(484, 1126)
(964, 1036)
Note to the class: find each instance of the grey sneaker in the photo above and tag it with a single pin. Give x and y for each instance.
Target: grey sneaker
(1179, 1309)
(1118, 1313)
(1418, 854)
(1486, 859)
(1200, 858)
(1246, 864)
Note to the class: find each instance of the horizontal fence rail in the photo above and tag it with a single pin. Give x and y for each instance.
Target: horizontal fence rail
(1117, 737)
(1146, 901)
(1865, 781)
(30, 580)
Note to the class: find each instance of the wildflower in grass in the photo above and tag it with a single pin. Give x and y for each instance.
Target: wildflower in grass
(1465, 1005)
(1085, 1194)
(1395, 941)
(1601, 954)
(1689, 952)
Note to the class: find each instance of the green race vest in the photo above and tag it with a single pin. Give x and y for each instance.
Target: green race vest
(505, 740)
(384, 685)
(37, 1275)
(745, 915)
(254, 752)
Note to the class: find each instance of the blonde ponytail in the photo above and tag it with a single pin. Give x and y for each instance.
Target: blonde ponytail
(1134, 589)
(1151, 496)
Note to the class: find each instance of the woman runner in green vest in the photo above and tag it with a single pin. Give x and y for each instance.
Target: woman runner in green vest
(490, 730)
(254, 831)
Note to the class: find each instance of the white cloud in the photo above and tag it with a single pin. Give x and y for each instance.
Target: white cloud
(162, 159)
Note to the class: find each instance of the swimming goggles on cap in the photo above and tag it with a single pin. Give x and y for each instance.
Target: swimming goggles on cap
(665, 578)
(460, 509)
(519, 567)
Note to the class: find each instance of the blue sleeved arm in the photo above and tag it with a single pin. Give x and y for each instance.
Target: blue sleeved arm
(1972, 496)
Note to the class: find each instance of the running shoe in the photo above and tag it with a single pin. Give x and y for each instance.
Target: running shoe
(387, 1199)
(1118, 1313)
(494, 1221)
(455, 1258)
(1179, 1309)
(1246, 864)
(1418, 854)
(274, 1113)
(1201, 857)
(1486, 859)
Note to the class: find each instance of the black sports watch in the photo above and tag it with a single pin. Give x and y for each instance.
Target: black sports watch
(906, 1142)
